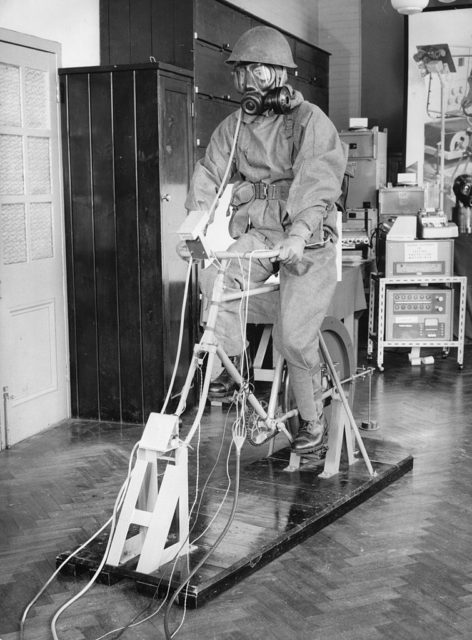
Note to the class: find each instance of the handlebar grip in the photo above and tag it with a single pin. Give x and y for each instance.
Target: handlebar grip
(266, 253)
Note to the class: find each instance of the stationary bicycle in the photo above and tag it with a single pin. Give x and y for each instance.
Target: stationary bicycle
(162, 445)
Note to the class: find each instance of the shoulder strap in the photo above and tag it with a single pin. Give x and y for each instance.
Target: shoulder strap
(293, 129)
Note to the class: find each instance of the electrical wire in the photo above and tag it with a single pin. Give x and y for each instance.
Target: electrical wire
(116, 507)
(168, 634)
(133, 623)
(181, 332)
(228, 164)
(121, 494)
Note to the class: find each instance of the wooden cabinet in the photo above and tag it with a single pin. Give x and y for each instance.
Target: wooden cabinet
(127, 151)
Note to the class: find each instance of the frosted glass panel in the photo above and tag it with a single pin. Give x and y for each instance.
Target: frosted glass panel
(36, 99)
(40, 230)
(11, 165)
(39, 166)
(13, 226)
(10, 111)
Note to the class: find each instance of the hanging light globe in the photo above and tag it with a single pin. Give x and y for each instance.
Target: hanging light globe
(409, 7)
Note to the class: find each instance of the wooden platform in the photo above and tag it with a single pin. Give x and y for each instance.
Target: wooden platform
(276, 511)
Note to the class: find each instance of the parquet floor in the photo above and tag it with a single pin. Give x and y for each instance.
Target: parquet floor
(398, 566)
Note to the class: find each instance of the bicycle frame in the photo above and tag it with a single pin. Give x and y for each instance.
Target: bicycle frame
(208, 344)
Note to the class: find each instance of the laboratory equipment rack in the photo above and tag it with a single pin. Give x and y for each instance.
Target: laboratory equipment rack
(377, 315)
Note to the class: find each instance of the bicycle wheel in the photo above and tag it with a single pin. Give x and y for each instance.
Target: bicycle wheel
(341, 352)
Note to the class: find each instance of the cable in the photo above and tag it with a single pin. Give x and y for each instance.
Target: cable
(238, 439)
(228, 164)
(181, 331)
(132, 623)
(117, 505)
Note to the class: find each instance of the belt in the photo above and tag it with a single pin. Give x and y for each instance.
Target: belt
(263, 191)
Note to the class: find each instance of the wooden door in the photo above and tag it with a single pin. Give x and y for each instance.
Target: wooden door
(175, 150)
(34, 359)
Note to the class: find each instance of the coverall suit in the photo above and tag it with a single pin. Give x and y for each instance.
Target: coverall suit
(303, 160)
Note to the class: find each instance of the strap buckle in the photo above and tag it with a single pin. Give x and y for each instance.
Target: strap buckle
(261, 190)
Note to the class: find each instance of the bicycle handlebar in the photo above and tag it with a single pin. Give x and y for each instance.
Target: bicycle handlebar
(265, 253)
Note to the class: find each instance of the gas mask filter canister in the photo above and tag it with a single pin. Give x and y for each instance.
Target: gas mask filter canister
(254, 81)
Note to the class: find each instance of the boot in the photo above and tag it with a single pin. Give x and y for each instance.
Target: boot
(224, 385)
(310, 435)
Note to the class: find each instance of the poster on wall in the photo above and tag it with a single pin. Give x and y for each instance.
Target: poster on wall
(439, 104)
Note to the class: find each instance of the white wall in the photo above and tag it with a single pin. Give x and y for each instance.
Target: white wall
(340, 34)
(72, 23)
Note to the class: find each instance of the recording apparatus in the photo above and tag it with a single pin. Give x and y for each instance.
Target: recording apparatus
(435, 224)
(419, 314)
(406, 258)
(400, 201)
(192, 232)
(367, 164)
(358, 228)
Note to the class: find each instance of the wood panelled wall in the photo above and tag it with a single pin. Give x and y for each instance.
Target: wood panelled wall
(137, 31)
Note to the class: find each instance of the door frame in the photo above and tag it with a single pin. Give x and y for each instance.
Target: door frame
(19, 39)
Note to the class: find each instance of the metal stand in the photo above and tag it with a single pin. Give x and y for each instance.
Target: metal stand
(152, 508)
(342, 427)
(377, 315)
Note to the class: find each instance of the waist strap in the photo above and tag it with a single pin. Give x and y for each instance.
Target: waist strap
(263, 191)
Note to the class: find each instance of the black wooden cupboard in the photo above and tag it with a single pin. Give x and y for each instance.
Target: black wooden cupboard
(127, 152)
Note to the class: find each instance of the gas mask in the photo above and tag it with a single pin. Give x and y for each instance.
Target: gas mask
(263, 88)
(462, 188)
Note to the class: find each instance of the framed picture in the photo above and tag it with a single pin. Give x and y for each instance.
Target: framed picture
(439, 80)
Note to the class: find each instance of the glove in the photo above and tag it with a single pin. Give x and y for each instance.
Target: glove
(290, 250)
(182, 251)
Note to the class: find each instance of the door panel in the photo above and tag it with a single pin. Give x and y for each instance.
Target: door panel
(33, 366)
(175, 144)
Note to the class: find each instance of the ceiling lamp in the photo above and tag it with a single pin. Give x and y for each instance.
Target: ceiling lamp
(408, 7)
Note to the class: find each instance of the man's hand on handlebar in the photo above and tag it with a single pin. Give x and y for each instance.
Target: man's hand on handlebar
(290, 250)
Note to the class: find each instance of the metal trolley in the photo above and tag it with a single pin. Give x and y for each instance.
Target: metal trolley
(378, 316)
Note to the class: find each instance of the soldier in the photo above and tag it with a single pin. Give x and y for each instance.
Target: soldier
(287, 171)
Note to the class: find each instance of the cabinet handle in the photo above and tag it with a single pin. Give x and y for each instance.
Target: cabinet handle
(166, 197)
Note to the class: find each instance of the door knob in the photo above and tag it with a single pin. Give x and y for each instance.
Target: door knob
(166, 197)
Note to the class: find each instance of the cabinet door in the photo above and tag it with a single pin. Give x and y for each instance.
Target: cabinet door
(312, 93)
(212, 76)
(131, 31)
(312, 63)
(175, 167)
(219, 24)
(209, 113)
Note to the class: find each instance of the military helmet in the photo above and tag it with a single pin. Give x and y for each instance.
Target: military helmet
(265, 45)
